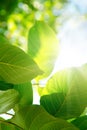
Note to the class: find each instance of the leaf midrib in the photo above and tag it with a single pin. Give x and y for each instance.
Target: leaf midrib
(64, 100)
(16, 66)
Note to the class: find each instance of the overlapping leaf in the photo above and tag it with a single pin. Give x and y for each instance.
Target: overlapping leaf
(26, 93)
(81, 122)
(43, 46)
(70, 93)
(5, 125)
(36, 118)
(5, 86)
(8, 99)
(52, 102)
(15, 65)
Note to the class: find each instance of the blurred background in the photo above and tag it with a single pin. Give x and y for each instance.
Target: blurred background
(68, 18)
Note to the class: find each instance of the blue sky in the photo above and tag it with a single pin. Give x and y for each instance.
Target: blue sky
(73, 36)
(81, 5)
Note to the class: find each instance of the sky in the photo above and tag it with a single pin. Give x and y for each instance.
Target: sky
(73, 36)
(81, 5)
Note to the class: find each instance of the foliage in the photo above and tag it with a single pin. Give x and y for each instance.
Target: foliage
(66, 93)
(37, 47)
(81, 122)
(32, 119)
(17, 64)
(17, 17)
(8, 99)
(62, 99)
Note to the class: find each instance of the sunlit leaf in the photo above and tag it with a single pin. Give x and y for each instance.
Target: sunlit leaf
(26, 93)
(8, 99)
(69, 88)
(81, 122)
(43, 46)
(15, 65)
(36, 118)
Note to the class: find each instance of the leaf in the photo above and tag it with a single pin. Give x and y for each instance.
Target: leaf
(43, 46)
(5, 86)
(15, 65)
(81, 122)
(8, 99)
(52, 102)
(5, 125)
(36, 118)
(26, 93)
(69, 88)
(3, 39)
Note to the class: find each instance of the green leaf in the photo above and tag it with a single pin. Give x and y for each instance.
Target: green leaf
(15, 65)
(81, 122)
(5, 86)
(36, 118)
(43, 46)
(69, 88)
(52, 102)
(8, 99)
(26, 93)
(3, 39)
(5, 125)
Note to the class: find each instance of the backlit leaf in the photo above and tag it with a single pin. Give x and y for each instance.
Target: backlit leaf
(43, 46)
(8, 99)
(15, 65)
(66, 93)
(36, 118)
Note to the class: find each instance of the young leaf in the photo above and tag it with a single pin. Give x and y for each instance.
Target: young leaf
(26, 93)
(36, 118)
(8, 99)
(15, 65)
(81, 122)
(70, 93)
(43, 46)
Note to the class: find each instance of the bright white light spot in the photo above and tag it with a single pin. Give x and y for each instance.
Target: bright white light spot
(8, 116)
(5, 116)
(73, 44)
(23, 7)
(38, 5)
(11, 112)
(36, 97)
(81, 4)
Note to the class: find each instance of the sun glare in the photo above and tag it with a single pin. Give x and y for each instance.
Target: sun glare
(73, 45)
(69, 58)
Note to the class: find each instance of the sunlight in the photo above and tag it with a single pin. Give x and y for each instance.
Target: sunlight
(73, 45)
(69, 58)
(7, 115)
(36, 97)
